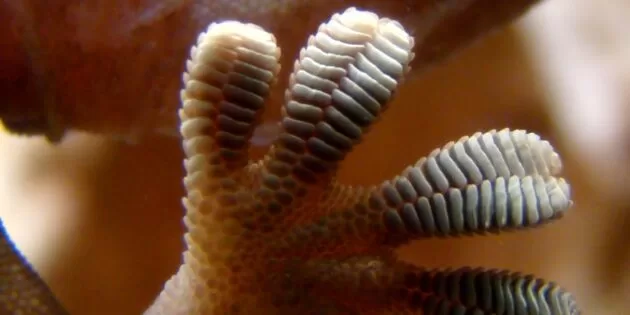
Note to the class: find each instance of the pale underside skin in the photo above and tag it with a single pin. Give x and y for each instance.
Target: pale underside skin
(281, 236)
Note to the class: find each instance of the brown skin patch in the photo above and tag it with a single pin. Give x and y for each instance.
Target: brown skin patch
(116, 71)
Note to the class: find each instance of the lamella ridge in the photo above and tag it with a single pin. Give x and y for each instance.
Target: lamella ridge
(281, 236)
(341, 82)
(489, 181)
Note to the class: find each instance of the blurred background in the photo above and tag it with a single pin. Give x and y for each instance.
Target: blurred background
(100, 218)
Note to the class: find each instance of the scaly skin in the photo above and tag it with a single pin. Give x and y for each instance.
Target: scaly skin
(21, 289)
(281, 236)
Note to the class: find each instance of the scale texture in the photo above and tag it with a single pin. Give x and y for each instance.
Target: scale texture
(282, 236)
